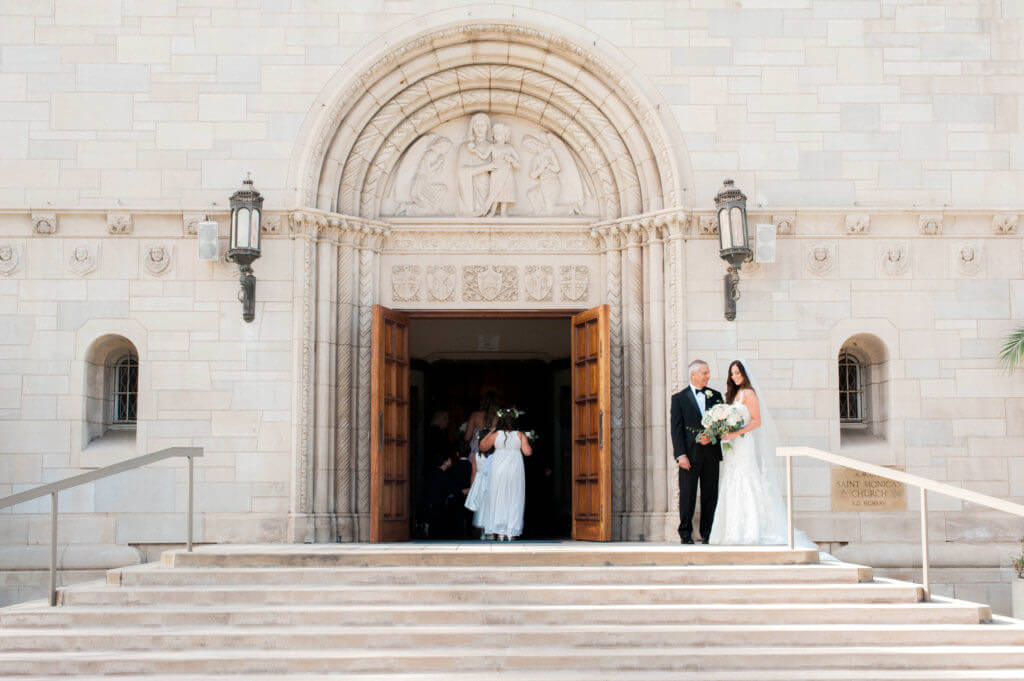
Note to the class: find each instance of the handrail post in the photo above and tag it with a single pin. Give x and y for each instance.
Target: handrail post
(189, 511)
(53, 549)
(924, 545)
(789, 501)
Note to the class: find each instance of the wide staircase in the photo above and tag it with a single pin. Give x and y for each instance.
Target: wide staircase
(525, 611)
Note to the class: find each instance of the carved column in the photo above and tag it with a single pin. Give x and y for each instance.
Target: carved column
(324, 523)
(371, 237)
(345, 340)
(610, 243)
(633, 355)
(657, 425)
(303, 233)
(675, 345)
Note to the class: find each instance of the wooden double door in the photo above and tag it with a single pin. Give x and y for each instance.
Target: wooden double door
(390, 463)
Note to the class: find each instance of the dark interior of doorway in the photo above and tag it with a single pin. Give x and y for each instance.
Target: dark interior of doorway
(541, 388)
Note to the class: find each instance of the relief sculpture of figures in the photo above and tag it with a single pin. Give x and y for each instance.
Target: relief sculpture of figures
(505, 163)
(475, 166)
(426, 193)
(544, 194)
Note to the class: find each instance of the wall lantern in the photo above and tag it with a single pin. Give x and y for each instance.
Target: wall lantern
(244, 243)
(733, 240)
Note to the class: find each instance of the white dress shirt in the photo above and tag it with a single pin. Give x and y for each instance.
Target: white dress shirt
(698, 394)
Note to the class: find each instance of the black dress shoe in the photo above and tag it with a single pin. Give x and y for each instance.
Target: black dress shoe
(688, 540)
(703, 541)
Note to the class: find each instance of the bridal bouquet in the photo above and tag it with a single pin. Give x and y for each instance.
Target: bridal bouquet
(721, 419)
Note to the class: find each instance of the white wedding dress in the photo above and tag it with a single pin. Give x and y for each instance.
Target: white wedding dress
(506, 488)
(751, 509)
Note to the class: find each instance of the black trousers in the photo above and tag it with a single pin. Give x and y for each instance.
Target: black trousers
(705, 475)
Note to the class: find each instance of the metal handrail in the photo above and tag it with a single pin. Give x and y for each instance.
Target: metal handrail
(75, 480)
(924, 484)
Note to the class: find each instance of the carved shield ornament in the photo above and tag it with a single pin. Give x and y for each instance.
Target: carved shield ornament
(441, 282)
(575, 282)
(405, 282)
(538, 282)
(489, 283)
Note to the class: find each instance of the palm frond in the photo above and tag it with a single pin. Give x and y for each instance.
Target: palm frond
(1012, 352)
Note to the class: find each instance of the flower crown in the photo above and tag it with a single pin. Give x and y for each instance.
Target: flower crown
(509, 411)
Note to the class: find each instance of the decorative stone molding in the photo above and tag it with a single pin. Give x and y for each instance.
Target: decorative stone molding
(574, 282)
(120, 223)
(1005, 223)
(157, 259)
(44, 223)
(930, 224)
(820, 258)
(539, 283)
(707, 225)
(10, 259)
(858, 223)
(785, 225)
(82, 259)
(441, 282)
(405, 283)
(476, 239)
(427, 80)
(190, 223)
(271, 224)
(967, 258)
(490, 283)
(895, 259)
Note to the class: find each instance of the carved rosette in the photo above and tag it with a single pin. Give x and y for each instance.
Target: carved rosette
(538, 283)
(785, 225)
(82, 259)
(10, 259)
(967, 259)
(157, 259)
(574, 282)
(820, 259)
(120, 223)
(858, 223)
(44, 223)
(441, 281)
(895, 259)
(930, 225)
(1005, 223)
(490, 283)
(405, 283)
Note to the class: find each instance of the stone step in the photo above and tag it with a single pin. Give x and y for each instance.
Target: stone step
(589, 636)
(156, 575)
(885, 591)
(757, 675)
(489, 660)
(479, 554)
(936, 612)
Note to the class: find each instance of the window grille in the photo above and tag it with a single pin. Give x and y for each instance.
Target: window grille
(126, 390)
(851, 389)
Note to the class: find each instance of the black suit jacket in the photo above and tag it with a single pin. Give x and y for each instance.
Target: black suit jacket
(686, 416)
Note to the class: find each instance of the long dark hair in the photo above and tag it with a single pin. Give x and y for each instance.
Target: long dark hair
(731, 388)
(507, 420)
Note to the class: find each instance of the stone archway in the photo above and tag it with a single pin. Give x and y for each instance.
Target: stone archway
(606, 127)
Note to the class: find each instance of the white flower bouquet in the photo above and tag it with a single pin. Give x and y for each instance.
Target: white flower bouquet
(721, 419)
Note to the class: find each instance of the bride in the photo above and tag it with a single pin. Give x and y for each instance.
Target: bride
(506, 481)
(750, 508)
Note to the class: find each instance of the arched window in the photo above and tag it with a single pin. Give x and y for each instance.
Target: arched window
(126, 390)
(851, 389)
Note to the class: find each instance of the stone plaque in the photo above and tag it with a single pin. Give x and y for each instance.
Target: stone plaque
(858, 491)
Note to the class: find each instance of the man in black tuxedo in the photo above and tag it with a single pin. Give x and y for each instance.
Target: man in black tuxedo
(697, 458)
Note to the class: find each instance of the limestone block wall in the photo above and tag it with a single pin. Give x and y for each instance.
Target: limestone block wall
(206, 378)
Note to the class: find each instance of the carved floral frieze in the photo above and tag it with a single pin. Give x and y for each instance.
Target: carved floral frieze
(930, 225)
(785, 225)
(10, 259)
(82, 259)
(858, 223)
(707, 225)
(1005, 223)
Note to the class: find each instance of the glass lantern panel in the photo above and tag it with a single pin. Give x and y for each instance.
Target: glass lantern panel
(254, 229)
(724, 230)
(739, 238)
(241, 228)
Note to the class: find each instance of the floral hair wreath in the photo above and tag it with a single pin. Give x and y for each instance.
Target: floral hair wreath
(515, 413)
